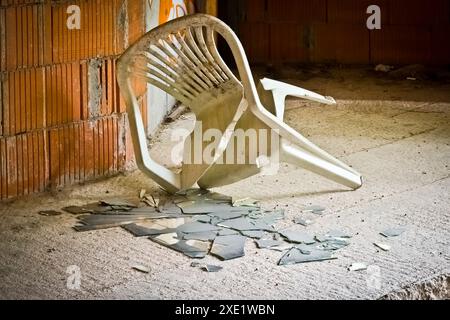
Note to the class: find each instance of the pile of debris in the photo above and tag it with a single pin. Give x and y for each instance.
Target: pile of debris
(198, 222)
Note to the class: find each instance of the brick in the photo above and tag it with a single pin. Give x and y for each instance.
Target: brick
(255, 41)
(3, 170)
(2, 104)
(54, 166)
(20, 140)
(418, 13)
(30, 162)
(89, 155)
(400, 45)
(299, 11)
(255, 10)
(22, 41)
(440, 47)
(2, 39)
(288, 42)
(340, 43)
(11, 40)
(136, 19)
(355, 11)
(44, 94)
(11, 167)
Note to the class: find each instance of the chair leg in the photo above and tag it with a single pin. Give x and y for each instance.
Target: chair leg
(273, 94)
(296, 156)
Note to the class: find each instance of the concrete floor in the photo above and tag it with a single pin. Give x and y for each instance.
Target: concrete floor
(396, 133)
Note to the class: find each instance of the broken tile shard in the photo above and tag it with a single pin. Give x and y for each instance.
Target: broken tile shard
(268, 243)
(302, 221)
(228, 247)
(191, 248)
(76, 210)
(271, 217)
(255, 234)
(337, 234)
(203, 236)
(294, 256)
(393, 232)
(117, 202)
(202, 218)
(245, 202)
(314, 209)
(382, 246)
(227, 232)
(49, 213)
(227, 215)
(357, 266)
(211, 268)
(304, 248)
(203, 207)
(333, 244)
(297, 236)
(141, 231)
(141, 268)
(195, 227)
(242, 224)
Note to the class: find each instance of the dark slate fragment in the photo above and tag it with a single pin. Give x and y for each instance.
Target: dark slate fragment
(226, 215)
(228, 247)
(294, 256)
(211, 268)
(393, 232)
(195, 227)
(183, 246)
(76, 210)
(337, 234)
(227, 232)
(302, 221)
(202, 236)
(268, 243)
(141, 231)
(242, 224)
(255, 234)
(117, 202)
(297, 236)
(49, 213)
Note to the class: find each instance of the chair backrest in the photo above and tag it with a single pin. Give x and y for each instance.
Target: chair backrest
(181, 58)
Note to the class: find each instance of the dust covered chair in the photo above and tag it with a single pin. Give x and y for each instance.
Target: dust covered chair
(181, 58)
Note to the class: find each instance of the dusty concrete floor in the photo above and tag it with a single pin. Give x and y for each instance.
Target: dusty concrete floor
(397, 134)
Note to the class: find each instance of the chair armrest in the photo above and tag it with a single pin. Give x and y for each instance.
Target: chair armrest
(285, 89)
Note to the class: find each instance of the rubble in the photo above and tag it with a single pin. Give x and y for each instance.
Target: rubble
(197, 222)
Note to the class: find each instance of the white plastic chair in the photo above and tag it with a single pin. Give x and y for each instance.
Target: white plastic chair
(181, 58)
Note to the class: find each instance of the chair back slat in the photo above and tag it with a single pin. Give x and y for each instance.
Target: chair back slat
(185, 63)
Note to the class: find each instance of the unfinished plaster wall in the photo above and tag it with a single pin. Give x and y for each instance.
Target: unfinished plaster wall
(160, 102)
(158, 12)
(62, 119)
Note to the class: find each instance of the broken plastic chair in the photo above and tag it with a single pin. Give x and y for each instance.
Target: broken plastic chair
(181, 58)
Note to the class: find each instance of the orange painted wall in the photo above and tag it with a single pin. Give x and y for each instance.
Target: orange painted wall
(62, 120)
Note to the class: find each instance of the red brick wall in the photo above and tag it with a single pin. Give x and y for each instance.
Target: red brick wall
(61, 116)
(413, 31)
